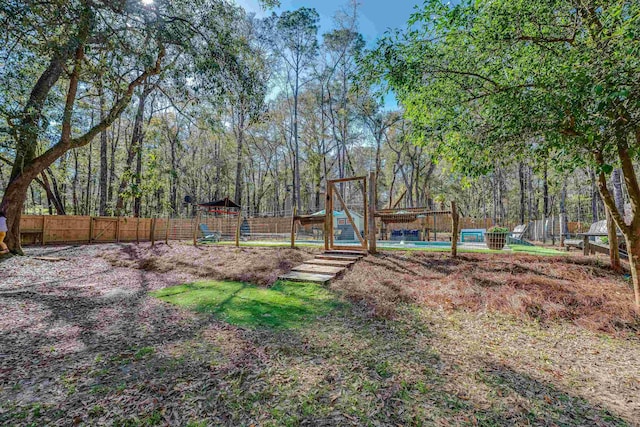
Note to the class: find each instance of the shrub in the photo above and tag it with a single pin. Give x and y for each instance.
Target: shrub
(498, 229)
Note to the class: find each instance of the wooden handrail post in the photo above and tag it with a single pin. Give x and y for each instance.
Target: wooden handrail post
(293, 227)
(372, 213)
(329, 214)
(327, 227)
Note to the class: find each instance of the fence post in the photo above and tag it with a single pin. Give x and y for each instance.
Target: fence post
(91, 229)
(152, 232)
(238, 225)
(196, 219)
(137, 230)
(372, 213)
(166, 232)
(435, 232)
(44, 229)
(118, 229)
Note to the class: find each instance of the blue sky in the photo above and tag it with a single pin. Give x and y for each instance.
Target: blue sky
(376, 16)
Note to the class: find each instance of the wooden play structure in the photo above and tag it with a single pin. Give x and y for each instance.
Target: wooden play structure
(338, 257)
(366, 231)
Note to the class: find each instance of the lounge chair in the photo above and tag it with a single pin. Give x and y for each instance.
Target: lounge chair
(208, 235)
(517, 236)
(597, 229)
(598, 232)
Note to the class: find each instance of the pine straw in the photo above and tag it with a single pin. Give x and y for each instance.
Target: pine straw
(576, 289)
(252, 265)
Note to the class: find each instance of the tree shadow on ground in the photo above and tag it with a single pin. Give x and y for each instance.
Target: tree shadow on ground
(545, 404)
(147, 362)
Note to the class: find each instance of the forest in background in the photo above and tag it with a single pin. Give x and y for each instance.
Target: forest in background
(268, 139)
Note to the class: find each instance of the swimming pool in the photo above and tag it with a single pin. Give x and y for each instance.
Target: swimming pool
(399, 244)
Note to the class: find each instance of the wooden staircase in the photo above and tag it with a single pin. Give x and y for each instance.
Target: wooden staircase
(324, 267)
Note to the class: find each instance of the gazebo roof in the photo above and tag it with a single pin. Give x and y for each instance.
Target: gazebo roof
(224, 203)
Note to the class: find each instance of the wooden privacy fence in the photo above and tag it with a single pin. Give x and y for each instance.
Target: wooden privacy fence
(52, 229)
(63, 229)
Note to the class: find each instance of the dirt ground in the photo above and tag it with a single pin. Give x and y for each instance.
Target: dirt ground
(425, 340)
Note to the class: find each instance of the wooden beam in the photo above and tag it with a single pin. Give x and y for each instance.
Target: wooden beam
(395, 205)
(353, 178)
(349, 217)
(329, 213)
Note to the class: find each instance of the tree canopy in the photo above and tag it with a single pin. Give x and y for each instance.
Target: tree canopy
(488, 82)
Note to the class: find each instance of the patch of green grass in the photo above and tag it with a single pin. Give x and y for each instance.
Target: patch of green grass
(536, 250)
(142, 352)
(284, 305)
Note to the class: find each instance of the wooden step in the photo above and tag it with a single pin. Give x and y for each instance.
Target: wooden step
(298, 276)
(346, 252)
(351, 258)
(319, 269)
(331, 262)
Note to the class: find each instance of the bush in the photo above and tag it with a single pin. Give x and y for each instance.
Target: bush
(498, 229)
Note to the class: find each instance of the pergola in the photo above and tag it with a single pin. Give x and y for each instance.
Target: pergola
(225, 206)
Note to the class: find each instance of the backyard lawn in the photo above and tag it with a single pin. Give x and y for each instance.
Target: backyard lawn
(135, 335)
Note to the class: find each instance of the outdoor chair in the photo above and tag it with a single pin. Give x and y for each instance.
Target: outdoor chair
(516, 237)
(598, 232)
(599, 228)
(208, 235)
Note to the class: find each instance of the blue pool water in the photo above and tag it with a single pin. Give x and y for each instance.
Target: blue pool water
(389, 243)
